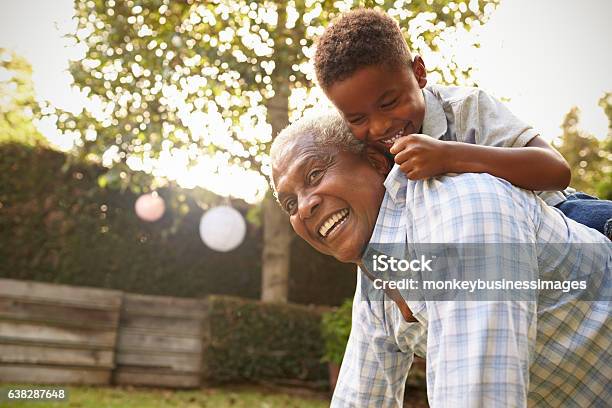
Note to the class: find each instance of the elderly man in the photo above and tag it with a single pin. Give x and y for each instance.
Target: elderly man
(553, 351)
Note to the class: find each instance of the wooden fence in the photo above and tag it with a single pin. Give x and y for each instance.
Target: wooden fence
(57, 333)
(51, 334)
(160, 341)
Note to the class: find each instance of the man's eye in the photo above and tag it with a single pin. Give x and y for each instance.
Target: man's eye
(389, 104)
(290, 206)
(314, 175)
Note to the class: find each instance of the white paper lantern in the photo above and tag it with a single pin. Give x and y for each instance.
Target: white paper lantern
(150, 207)
(222, 228)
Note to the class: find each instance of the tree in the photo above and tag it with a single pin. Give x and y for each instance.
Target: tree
(18, 106)
(216, 80)
(588, 157)
(604, 186)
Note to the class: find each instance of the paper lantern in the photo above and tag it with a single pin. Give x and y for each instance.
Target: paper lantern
(150, 207)
(222, 228)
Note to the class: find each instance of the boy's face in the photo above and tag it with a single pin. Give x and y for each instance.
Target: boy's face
(381, 104)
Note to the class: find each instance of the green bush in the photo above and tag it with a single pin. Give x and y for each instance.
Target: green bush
(336, 327)
(246, 340)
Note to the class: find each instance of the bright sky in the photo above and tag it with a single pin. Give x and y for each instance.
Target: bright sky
(545, 56)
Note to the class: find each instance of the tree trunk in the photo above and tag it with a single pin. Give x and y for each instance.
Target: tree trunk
(276, 253)
(276, 229)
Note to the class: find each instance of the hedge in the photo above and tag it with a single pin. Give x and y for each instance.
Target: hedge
(247, 340)
(336, 329)
(58, 226)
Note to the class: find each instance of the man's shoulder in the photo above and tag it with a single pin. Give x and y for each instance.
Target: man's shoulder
(470, 207)
(457, 184)
(464, 183)
(460, 193)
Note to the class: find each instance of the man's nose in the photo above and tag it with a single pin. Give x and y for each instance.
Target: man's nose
(379, 125)
(308, 204)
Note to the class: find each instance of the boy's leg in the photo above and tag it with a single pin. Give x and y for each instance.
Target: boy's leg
(588, 210)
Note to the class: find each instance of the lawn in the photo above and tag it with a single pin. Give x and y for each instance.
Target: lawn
(128, 397)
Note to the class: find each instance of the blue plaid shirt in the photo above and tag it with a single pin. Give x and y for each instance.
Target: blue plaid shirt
(544, 353)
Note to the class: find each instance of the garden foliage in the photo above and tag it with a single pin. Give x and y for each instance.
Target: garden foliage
(248, 340)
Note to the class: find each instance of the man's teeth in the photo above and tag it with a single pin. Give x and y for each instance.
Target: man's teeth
(333, 221)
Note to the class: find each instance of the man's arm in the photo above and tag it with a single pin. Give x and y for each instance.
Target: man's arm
(374, 367)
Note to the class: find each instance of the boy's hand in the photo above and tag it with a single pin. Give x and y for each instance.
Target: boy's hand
(421, 156)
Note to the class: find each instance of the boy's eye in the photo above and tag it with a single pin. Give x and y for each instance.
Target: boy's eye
(357, 121)
(389, 104)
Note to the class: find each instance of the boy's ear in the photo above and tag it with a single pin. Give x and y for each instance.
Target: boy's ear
(420, 73)
(379, 160)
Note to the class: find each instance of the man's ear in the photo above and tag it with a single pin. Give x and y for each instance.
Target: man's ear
(379, 160)
(419, 71)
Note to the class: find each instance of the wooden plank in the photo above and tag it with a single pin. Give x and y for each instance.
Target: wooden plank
(53, 375)
(162, 306)
(89, 297)
(52, 312)
(36, 354)
(30, 331)
(57, 343)
(134, 339)
(160, 324)
(155, 378)
(187, 362)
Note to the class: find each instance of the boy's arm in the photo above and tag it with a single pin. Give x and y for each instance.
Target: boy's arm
(537, 166)
(495, 142)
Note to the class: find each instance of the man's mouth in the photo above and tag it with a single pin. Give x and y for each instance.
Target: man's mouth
(333, 222)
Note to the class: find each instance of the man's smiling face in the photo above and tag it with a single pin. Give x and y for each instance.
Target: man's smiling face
(332, 197)
(381, 104)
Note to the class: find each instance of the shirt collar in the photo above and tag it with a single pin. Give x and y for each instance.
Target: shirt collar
(434, 122)
(395, 184)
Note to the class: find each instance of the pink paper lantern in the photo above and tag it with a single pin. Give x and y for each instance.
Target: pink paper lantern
(150, 207)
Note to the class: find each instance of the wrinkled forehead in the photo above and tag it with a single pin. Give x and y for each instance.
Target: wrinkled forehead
(295, 158)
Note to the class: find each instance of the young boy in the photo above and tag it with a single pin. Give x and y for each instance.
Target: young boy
(364, 66)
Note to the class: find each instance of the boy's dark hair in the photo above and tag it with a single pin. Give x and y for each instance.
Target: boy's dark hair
(357, 39)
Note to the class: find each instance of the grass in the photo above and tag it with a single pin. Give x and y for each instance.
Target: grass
(129, 397)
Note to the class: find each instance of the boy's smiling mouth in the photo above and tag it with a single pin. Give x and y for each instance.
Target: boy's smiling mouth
(392, 139)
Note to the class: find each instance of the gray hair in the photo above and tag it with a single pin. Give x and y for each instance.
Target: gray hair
(326, 128)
